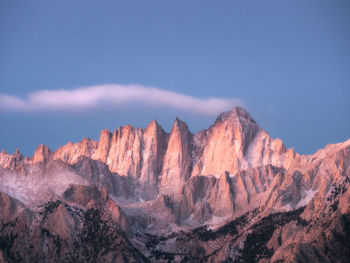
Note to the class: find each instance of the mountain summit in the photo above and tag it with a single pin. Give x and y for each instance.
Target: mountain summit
(227, 193)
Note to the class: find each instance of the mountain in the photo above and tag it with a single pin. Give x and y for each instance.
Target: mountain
(229, 193)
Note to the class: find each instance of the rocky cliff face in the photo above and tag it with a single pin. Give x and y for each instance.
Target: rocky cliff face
(226, 143)
(177, 160)
(230, 192)
(155, 141)
(104, 144)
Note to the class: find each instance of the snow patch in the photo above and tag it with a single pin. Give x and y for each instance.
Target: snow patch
(307, 196)
(38, 186)
(215, 221)
(232, 175)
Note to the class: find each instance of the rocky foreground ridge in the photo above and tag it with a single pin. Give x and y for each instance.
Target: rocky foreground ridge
(230, 193)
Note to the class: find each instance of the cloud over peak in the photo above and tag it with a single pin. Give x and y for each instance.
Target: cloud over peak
(114, 95)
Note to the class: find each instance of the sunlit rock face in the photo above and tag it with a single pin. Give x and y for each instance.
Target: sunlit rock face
(71, 152)
(42, 154)
(177, 160)
(154, 142)
(227, 193)
(226, 142)
(124, 157)
(104, 144)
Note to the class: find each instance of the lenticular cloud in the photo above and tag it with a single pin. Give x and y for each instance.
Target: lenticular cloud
(114, 96)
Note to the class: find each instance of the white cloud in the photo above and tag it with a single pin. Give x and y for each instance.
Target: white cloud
(114, 95)
(12, 103)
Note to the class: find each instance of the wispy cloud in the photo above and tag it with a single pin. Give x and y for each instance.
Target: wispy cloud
(114, 95)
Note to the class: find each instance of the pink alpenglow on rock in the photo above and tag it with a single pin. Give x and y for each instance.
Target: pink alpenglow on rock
(227, 193)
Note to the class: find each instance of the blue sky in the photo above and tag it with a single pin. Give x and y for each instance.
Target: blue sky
(287, 62)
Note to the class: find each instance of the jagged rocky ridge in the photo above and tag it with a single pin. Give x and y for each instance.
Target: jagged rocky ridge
(228, 193)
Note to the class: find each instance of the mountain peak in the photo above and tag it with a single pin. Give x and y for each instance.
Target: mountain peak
(179, 125)
(104, 145)
(235, 113)
(152, 125)
(177, 160)
(42, 154)
(105, 133)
